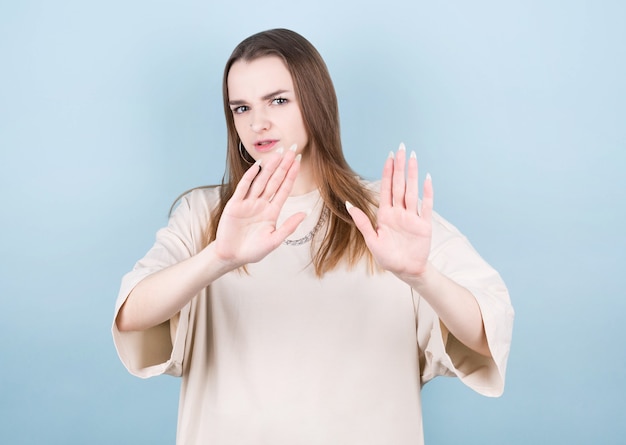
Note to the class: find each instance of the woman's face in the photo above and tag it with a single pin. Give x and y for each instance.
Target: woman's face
(265, 109)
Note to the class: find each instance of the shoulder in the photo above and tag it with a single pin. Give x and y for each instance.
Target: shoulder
(200, 197)
(196, 204)
(189, 218)
(443, 230)
(372, 186)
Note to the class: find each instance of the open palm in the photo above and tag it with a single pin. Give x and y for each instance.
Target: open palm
(247, 230)
(400, 243)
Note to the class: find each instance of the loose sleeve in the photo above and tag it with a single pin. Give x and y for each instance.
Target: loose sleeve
(161, 349)
(440, 352)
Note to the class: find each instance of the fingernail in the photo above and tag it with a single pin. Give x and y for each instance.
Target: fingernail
(298, 158)
(294, 147)
(348, 205)
(402, 147)
(428, 177)
(258, 161)
(391, 155)
(280, 150)
(413, 155)
(308, 212)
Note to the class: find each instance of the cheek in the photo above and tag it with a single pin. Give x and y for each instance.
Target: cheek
(297, 123)
(239, 126)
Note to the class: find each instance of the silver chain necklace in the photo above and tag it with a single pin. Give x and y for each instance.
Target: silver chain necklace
(309, 236)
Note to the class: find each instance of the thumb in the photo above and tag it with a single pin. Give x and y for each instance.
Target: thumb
(289, 226)
(361, 221)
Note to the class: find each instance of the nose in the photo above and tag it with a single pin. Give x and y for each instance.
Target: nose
(259, 121)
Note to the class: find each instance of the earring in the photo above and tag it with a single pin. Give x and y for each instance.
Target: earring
(245, 155)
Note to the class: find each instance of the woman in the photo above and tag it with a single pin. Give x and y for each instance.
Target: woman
(299, 303)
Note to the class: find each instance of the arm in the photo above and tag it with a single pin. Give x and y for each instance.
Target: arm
(455, 305)
(161, 295)
(246, 233)
(401, 244)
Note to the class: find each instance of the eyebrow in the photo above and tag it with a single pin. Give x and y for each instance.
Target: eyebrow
(269, 96)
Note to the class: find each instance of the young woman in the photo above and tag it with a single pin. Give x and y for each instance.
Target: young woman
(299, 303)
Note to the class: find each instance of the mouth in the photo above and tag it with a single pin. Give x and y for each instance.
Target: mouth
(265, 145)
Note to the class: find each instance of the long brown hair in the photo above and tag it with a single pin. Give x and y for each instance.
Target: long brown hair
(336, 181)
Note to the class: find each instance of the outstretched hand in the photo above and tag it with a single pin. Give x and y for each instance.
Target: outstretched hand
(247, 230)
(400, 243)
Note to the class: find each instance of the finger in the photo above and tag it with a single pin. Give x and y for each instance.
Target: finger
(279, 175)
(398, 184)
(385, 183)
(362, 223)
(287, 228)
(427, 199)
(411, 195)
(246, 180)
(285, 187)
(269, 167)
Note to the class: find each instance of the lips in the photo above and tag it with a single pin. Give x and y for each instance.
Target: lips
(265, 145)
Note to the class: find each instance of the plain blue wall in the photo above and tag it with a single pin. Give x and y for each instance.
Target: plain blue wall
(108, 110)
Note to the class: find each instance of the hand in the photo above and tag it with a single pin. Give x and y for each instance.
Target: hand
(401, 241)
(247, 230)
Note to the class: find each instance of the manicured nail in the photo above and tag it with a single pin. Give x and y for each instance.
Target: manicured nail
(348, 205)
(308, 212)
(428, 177)
(413, 155)
(294, 147)
(258, 162)
(402, 147)
(280, 150)
(391, 155)
(298, 158)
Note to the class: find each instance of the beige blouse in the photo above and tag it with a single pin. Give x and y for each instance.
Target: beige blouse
(278, 356)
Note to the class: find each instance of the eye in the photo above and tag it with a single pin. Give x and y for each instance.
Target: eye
(240, 109)
(279, 101)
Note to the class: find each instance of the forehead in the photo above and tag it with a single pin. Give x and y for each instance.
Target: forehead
(258, 77)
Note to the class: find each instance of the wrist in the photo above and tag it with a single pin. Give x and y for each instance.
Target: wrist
(426, 278)
(215, 262)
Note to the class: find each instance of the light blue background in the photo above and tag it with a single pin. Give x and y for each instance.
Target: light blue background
(108, 110)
